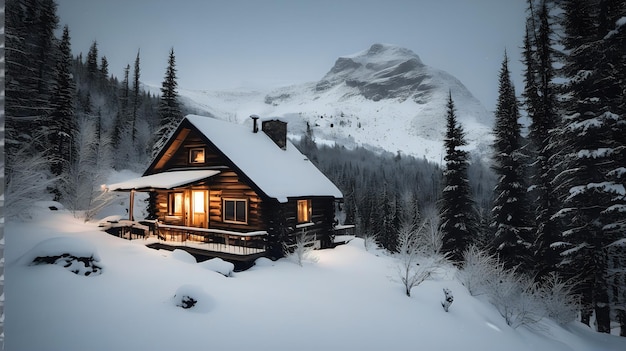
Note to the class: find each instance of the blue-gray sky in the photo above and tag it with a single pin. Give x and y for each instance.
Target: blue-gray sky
(223, 44)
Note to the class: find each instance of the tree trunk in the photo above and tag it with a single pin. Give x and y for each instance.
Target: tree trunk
(621, 317)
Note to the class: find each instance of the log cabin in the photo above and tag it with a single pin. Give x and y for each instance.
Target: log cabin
(227, 190)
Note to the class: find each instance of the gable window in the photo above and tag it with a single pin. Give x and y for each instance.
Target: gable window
(235, 211)
(196, 155)
(175, 204)
(304, 211)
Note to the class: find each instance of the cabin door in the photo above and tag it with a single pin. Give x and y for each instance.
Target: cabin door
(199, 209)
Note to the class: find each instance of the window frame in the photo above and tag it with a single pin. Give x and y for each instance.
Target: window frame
(171, 203)
(191, 155)
(235, 201)
(309, 211)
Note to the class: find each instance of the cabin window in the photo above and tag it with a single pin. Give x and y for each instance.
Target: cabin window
(304, 211)
(236, 211)
(175, 204)
(196, 155)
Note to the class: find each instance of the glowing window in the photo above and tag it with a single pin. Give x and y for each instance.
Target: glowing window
(235, 211)
(198, 201)
(196, 155)
(175, 204)
(304, 211)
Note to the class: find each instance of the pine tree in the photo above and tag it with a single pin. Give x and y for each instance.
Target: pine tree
(592, 155)
(136, 97)
(510, 210)
(456, 206)
(62, 122)
(540, 100)
(30, 72)
(169, 109)
(104, 68)
(92, 62)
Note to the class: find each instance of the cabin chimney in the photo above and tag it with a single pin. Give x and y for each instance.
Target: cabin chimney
(277, 131)
(255, 126)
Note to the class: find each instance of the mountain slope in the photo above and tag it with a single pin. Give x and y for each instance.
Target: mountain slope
(383, 97)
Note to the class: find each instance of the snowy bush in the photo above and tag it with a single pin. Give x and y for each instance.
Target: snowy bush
(558, 298)
(515, 297)
(301, 250)
(369, 240)
(27, 181)
(478, 268)
(415, 262)
(81, 182)
(519, 299)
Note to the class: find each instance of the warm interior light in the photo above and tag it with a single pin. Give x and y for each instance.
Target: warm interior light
(197, 155)
(198, 201)
(178, 203)
(304, 211)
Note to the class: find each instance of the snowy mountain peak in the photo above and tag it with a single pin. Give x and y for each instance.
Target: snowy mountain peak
(384, 97)
(382, 72)
(376, 58)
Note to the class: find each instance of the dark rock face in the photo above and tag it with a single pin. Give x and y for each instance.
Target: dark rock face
(382, 72)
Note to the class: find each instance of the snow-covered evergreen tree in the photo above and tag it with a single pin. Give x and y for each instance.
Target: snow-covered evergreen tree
(62, 121)
(592, 178)
(458, 218)
(169, 109)
(30, 73)
(510, 209)
(541, 106)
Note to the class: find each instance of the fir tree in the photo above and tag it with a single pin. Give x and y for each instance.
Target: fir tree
(456, 206)
(104, 68)
(510, 210)
(62, 120)
(591, 156)
(92, 62)
(169, 110)
(136, 97)
(540, 99)
(30, 72)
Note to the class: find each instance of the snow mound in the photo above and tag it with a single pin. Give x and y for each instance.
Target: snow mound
(183, 255)
(263, 262)
(76, 255)
(193, 297)
(218, 265)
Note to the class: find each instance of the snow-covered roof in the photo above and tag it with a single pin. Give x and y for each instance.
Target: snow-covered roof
(165, 180)
(278, 173)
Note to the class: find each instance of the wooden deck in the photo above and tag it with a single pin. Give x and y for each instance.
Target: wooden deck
(209, 242)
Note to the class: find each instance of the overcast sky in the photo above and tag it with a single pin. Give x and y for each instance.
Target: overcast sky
(224, 44)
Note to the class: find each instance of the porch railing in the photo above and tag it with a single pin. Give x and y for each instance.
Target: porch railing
(238, 243)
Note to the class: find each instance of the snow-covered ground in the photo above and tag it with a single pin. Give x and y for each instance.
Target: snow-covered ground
(347, 299)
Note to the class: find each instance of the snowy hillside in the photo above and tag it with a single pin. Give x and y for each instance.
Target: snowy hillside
(125, 296)
(383, 97)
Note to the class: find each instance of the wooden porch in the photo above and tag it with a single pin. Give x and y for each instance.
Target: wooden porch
(216, 240)
(226, 244)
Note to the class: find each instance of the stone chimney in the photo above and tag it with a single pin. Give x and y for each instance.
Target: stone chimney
(277, 131)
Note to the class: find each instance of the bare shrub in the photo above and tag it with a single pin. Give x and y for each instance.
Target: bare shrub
(28, 179)
(558, 298)
(415, 262)
(301, 250)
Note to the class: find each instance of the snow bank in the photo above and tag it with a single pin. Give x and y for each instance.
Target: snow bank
(218, 265)
(345, 301)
